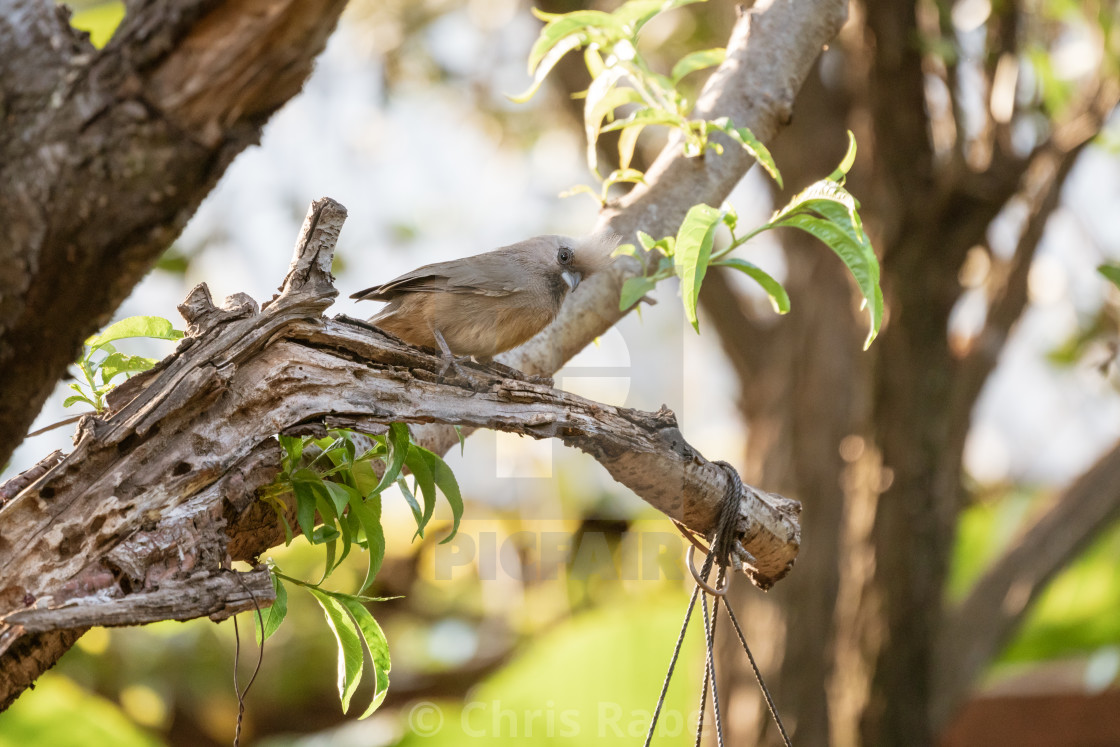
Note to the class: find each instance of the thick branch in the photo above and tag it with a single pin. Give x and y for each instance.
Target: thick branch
(104, 155)
(981, 625)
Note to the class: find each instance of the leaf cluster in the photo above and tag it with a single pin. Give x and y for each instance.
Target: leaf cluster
(627, 95)
(825, 210)
(101, 362)
(338, 490)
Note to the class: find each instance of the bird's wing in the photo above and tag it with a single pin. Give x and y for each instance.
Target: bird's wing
(491, 274)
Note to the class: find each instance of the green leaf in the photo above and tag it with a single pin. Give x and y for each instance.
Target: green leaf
(636, 13)
(275, 614)
(840, 228)
(602, 99)
(136, 326)
(581, 189)
(643, 118)
(76, 398)
(690, 63)
(546, 64)
(750, 143)
(449, 486)
(560, 26)
(116, 364)
(857, 256)
(340, 496)
(421, 468)
(693, 250)
(779, 299)
(409, 498)
(1112, 272)
(293, 447)
(627, 141)
(377, 645)
(369, 516)
(620, 176)
(305, 507)
(462, 440)
(633, 290)
(846, 163)
(646, 240)
(350, 658)
(399, 442)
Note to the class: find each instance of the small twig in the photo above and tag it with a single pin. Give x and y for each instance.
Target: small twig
(237, 656)
(59, 424)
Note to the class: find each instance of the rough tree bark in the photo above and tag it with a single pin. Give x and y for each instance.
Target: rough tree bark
(104, 155)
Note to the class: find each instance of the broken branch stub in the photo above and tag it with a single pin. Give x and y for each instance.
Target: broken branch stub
(155, 495)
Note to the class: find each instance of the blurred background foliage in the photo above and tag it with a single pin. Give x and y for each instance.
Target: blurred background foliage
(503, 627)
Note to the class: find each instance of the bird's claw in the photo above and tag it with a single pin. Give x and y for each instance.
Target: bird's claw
(450, 362)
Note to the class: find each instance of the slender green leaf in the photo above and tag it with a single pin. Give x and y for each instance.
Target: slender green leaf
(602, 99)
(398, 441)
(340, 496)
(305, 508)
(275, 614)
(462, 440)
(621, 176)
(135, 326)
(627, 141)
(1112, 272)
(779, 299)
(326, 533)
(750, 143)
(547, 63)
(409, 498)
(293, 447)
(633, 290)
(369, 516)
(420, 466)
(116, 364)
(693, 250)
(860, 261)
(593, 60)
(560, 26)
(350, 658)
(690, 63)
(377, 646)
(76, 398)
(846, 163)
(636, 13)
(644, 118)
(449, 486)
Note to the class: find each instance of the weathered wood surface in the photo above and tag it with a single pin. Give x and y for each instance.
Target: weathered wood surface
(141, 520)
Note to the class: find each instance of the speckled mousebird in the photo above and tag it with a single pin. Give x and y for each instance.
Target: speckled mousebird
(486, 304)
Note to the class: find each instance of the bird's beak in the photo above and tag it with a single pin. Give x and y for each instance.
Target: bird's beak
(572, 278)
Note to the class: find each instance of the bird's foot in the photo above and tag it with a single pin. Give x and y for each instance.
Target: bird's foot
(452, 362)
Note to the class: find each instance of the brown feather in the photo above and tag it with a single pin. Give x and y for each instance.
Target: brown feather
(489, 303)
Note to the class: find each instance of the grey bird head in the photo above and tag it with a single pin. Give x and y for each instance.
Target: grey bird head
(577, 259)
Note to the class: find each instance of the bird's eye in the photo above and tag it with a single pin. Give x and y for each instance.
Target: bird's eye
(564, 256)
